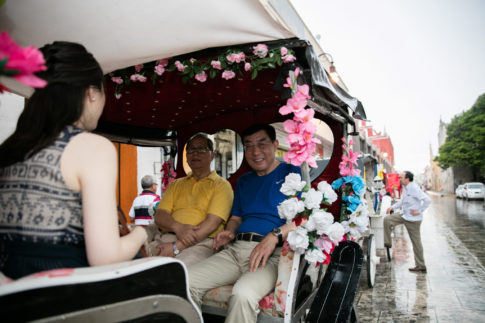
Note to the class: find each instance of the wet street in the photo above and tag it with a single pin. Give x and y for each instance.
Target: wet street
(453, 289)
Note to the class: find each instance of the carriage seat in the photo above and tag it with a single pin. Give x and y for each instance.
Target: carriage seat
(216, 301)
(148, 289)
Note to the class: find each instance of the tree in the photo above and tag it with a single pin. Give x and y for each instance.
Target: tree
(465, 141)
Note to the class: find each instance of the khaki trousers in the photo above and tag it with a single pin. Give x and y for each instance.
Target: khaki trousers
(189, 256)
(231, 266)
(414, 231)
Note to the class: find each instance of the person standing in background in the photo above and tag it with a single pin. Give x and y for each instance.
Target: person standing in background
(139, 212)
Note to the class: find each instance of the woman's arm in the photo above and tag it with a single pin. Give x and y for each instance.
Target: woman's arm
(89, 165)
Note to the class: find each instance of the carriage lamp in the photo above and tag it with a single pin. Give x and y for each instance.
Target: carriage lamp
(333, 71)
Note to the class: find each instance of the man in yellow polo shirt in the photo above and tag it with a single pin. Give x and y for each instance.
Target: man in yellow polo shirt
(194, 208)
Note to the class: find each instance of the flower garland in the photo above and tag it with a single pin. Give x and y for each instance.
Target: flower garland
(300, 129)
(353, 212)
(168, 174)
(20, 63)
(316, 234)
(228, 64)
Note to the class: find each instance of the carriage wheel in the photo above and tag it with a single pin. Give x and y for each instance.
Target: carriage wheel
(369, 246)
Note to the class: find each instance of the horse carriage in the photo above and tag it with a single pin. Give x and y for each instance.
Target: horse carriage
(177, 91)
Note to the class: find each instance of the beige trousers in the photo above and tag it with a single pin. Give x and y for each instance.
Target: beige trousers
(189, 256)
(414, 231)
(231, 266)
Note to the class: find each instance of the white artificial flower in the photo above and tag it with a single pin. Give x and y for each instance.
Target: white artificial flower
(312, 198)
(292, 184)
(319, 221)
(335, 232)
(298, 239)
(314, 256)
(327, 191)
(289, 208)
(362, 209)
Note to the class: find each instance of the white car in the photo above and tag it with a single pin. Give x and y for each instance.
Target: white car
(473, 191)
(459, 191)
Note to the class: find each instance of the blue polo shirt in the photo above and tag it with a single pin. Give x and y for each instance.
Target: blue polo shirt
(256, 199)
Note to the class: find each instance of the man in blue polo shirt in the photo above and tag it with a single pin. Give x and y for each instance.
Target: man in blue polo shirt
(254, 233)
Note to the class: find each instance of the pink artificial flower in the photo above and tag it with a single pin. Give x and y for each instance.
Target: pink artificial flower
(117, 96)
(266, 302)
(343, 140)
(284, 51)
(304, 115)
(216, 65)
(288, 58)
(26, 61)
(291, 126)
(260, 50)
(138, 68)
(238, 58)
(228, 75)
(201, 77)
(163, 62)
(288, 83)
(351, 142)
(324, 243)
(303, 90)
(297, 72)
(159, 69)
(138, 78)
(192, 60)
(117, 79)
(180, 66)
(293, 104)
(247, 67)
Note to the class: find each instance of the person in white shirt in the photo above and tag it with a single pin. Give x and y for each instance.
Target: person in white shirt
(413, 203)
(139, 211)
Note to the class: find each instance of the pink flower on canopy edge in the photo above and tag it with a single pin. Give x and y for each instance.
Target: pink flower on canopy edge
(159, 69)
(228, 75)
(260, 50)
(117, 79)
(288, 83)
(283, 51)
(247, 67)
(192, 60)
(138, 78)
(291, 126)
(180, 67)
(163, 62)
(238, 58)
(288, 58)
(201, 77)
(117, 96)
(297, 72)
(138, 68)
(26, 61)
(216, 65)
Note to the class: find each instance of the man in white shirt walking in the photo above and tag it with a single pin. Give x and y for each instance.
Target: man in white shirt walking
(413, 203)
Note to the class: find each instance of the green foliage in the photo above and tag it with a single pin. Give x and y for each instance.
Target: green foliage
(465, 141)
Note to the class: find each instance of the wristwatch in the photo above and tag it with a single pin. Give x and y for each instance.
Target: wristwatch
(277, 232)
(176, 250)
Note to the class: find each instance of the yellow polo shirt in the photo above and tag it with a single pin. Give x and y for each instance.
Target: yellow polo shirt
(189, 201)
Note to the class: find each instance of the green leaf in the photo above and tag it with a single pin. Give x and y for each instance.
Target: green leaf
(254, 74)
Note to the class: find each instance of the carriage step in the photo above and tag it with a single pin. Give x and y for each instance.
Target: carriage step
(335, 296)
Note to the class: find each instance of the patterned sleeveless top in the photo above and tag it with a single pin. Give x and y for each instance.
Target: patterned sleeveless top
(35, 203)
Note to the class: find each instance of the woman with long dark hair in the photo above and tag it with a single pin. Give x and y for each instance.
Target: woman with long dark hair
(58, 180)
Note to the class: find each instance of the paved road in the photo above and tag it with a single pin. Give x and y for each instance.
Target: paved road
(453, 290)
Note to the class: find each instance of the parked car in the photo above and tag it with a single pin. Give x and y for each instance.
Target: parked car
(473, 191)
(459, 191)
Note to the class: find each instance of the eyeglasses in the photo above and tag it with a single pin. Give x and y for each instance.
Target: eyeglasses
(199, 150)
(261, 146)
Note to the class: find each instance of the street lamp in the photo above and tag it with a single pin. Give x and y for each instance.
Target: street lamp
(333, 71)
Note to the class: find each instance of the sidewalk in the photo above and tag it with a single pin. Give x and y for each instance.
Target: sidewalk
(453, 290)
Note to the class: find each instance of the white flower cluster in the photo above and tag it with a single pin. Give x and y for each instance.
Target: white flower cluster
(358, 221)
(317, 232)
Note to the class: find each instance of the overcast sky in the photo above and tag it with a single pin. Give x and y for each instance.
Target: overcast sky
(410, 62)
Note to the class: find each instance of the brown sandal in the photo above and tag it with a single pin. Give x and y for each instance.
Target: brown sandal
(421, 269)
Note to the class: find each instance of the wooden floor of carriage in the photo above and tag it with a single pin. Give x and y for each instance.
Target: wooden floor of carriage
(452, 290)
